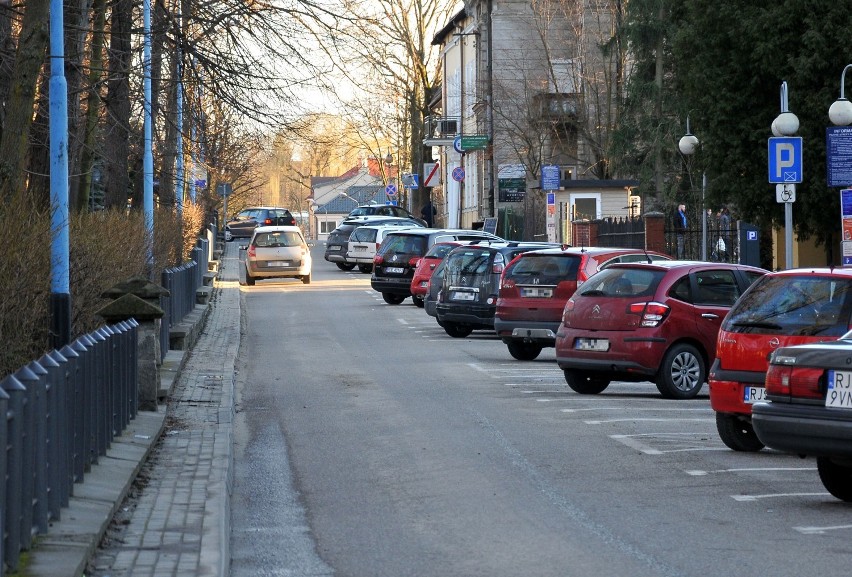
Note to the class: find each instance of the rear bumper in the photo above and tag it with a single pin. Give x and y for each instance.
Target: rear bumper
(474, 315)
(727, 389)
(804, 429)
(539, 332)
(392, 285)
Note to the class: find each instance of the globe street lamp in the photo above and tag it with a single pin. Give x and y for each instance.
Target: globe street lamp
(687, 146)
(786, 124)
(840, 112)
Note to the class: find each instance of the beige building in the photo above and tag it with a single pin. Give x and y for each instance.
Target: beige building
(526, 85)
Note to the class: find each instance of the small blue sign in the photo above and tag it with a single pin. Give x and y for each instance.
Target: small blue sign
(390, 190)
(550, 177)
(751, 235)
(458, 174)
(785, 160)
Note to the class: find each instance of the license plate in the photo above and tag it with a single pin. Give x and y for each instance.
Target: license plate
(592, 345)
(462, 296)
(394, 270)
(333, 247)
(839, 392)
(534, 292)
(278, 263)
(753, 394)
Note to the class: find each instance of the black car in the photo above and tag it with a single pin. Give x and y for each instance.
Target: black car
(337, 242)
(248, 219)
(467, 298)
(384, 210)
(396, 259)
(808, 408)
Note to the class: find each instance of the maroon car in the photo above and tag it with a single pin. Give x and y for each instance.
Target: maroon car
(648, 322)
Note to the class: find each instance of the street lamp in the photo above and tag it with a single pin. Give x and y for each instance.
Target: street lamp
(840, 112)
(786, 124)
(342, 194)
(688, 144)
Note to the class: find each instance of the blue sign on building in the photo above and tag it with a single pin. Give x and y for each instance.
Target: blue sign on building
(550, 177)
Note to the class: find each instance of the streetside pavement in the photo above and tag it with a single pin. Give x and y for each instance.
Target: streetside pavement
(175, 519)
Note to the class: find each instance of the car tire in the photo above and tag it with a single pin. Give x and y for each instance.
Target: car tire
(835, 477)
(682, 373)
(737, 433)
(393, 299)
(306, 279)
(249, 279)
(418, 302)
(584, 383)
(365, 268)
(524, 351)
(457, 331)
(344, 265)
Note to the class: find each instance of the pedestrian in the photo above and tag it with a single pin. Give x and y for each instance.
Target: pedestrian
(724, 232)
(680, 229)
(428, 213)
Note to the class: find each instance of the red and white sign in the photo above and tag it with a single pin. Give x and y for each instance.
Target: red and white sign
(433, 174)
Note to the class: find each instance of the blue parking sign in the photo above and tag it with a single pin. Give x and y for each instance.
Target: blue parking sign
(785, 160)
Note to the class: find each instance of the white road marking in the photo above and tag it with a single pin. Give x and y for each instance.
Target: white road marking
(659, 420)
(773, 495)
(699, 472)
(700, 410)
(633, 442)
(821, 530)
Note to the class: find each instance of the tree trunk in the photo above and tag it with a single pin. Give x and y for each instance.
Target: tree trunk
(14, 143)
(7, 59)
(76, 33)
(93, 103)
(117, 138)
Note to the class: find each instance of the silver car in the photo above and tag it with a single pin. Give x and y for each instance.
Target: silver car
(277, 252)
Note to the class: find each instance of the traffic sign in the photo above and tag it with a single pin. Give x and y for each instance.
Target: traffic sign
(785, 159)
(474, 142)
(458, 174)
(457, 144)
(550, 176)
(224, 189)
(785, 192)
(433, 174)
(390, 190)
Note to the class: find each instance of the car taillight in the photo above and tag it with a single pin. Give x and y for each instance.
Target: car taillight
(506, 282)
(417, 263)
(267, 221)
(499, 264)
(792, 381)
(378, 244)
(378, 259)
(412, 262)
(652, 313)
(567, 311)
(252, 251)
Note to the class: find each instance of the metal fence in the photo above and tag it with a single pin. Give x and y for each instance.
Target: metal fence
(182, 282)
(62, 413)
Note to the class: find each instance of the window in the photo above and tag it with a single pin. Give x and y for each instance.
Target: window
(716, 288)
(327, 226)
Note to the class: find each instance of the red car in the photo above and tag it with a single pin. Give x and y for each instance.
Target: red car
(785, 308)
(535, 286)
(423, 271)
(653, 322)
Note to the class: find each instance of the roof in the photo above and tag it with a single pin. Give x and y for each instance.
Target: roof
(441, 35)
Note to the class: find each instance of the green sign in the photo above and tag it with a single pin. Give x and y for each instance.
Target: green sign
(511, 189)
(474, 142)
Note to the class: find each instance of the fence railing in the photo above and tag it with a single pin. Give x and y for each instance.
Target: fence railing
(182, 282)
(62, 413)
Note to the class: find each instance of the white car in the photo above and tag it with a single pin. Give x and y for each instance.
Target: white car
(365, 241)
(277, 252)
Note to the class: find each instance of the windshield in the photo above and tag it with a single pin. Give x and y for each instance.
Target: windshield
(792, 305)
(361, 211)
(403, 244)
(278, 239)
(465, 264)
(544, 269)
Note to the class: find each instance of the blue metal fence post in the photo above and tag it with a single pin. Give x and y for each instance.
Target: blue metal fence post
(28, 378)
(39, 415)
(14, 463)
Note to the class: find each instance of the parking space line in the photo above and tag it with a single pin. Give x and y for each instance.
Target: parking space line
(821, 530)
(773, 495)
(677, 409)
(633, 442)
(699, 472)
(658, 420)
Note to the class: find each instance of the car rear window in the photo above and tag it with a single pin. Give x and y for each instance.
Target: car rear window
(440, 250)
(278, 239)
(363, 234)
(413, 245)
(793, 305)
(622, 282)
(467, 262)
(544, 269)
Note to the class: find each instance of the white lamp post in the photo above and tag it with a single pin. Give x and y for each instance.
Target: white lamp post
(687, 145)
(786, 124)
(840, 112)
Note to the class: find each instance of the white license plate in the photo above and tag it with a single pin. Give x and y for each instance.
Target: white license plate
(394, 270)
(334, 247)
(536, 292)
(360, 248)
(592, 344)
(839, 392)
(752, 395)
(278, 263)
(462, 296)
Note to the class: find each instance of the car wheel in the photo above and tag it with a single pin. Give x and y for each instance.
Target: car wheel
(393, 299)
(418, 302)
(682, 373)
(306, 279)
(365, 268)
(456, 330)
(524, 351)
(249, 279)
(737, 433)
(835, 477)
(584, 383)
(344, 265)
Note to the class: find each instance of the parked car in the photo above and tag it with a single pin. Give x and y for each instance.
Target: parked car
(430, 300)
(424, 268)
(536, 285)
(784, 308)
(277, 252)
(245, 221)
(393, 267)
(365, 241)
(384, 210)
(467, 298)
(808, 408)
(654, 322)
(337, 243)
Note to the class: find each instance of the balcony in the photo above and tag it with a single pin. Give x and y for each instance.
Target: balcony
(441, 130)
(561, 107)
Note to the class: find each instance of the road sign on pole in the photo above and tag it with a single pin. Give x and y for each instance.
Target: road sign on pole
(785, 159)
(433, 174)
(785, 192)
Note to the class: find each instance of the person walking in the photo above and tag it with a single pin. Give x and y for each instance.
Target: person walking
(680, 229)
(428, 213)
(724, 234)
